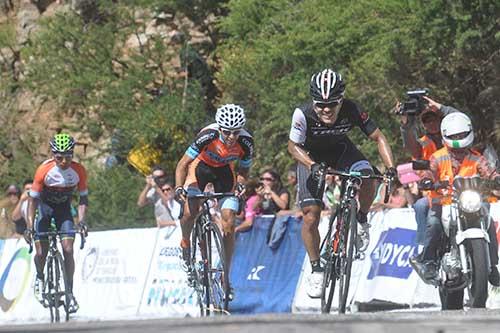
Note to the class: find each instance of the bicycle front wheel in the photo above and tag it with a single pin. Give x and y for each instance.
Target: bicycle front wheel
(217, 273)
(348, 238)
(61, 283)
(198, 275)
(330, 278)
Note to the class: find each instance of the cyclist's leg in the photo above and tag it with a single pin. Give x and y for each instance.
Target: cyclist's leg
(311, 210)
(65, 225)
(191, 207)
(225, 180)
(352, 159)
(41, 224)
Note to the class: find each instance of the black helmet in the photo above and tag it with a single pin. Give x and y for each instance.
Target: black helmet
(327, 86)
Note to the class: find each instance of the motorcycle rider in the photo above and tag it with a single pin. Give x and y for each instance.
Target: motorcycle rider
(455, 158)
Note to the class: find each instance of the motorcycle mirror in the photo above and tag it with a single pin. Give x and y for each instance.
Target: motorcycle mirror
(420, 165)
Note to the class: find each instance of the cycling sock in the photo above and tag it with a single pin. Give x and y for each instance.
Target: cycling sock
(316, 266)
(362, 218)
(185, 243)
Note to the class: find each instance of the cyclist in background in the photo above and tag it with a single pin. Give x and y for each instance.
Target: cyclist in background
(318, 135)
(50, 197)
(211, 159)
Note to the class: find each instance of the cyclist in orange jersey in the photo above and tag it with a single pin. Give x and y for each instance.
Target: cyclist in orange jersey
(50, 197)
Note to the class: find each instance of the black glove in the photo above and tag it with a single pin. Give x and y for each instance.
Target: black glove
(317, 171)
(83, 228)
(426, 184)
(391, 173)
(180, 193)
(28, 235)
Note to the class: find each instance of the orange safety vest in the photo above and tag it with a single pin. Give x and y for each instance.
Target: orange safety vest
(468, 168)
(428, 147)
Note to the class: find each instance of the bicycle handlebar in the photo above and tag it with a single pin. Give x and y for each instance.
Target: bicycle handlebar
(56, 233)
(356, 174)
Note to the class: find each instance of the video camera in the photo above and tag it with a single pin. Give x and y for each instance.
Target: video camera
(414, 104)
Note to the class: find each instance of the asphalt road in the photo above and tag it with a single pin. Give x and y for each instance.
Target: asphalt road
(472, 320)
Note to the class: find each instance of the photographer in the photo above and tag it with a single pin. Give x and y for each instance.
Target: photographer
(159, 191)
(430, 113)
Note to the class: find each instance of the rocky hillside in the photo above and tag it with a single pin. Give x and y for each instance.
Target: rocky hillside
(27, 119)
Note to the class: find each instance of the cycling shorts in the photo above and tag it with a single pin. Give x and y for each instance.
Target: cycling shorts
(223, 179)
(343, 157)
(63, 220)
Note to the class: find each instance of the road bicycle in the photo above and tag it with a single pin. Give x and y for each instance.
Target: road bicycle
(208, 272)
(338, 249)
(55, 293)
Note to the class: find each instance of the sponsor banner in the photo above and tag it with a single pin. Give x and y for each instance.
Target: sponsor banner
(387, 274)
(17, 272)
(166, 292)
(111, 272)
(494, 292)
(265, 279)
(384, 274)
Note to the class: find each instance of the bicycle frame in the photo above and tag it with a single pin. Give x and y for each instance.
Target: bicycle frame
(55, 270)
(339, 243)
(210, 276)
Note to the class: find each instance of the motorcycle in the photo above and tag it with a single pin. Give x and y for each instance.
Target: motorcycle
(464, 252)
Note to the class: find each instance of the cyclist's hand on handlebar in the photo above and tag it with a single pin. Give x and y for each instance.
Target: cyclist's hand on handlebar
(317, 170)
(180, 194)
(83, 228)
(28, 235)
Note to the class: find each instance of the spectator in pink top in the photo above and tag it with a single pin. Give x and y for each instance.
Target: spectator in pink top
(251, 205)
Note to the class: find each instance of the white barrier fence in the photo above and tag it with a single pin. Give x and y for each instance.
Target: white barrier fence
(136, 273)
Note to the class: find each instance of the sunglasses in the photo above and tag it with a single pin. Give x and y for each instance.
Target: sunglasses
(229, 132)
(166, 189)
(269, 179)
(12, 193)
(330, 105)
(60, 157)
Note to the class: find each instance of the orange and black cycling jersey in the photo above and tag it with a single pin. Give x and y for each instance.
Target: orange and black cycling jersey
(209, 147)
(54, 185)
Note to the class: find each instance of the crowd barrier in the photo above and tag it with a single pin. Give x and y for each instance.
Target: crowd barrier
(135, 273)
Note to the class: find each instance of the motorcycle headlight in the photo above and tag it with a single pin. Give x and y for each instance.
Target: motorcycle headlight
(470, 201)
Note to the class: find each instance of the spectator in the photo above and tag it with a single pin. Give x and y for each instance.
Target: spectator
(331, 195)
(397, 198)
(273, 197)
(251, 205)
(21, 210)
(7, 205)
(159, 191)
(291, 184)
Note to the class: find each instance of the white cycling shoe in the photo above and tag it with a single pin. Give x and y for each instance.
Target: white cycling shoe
(315, 284)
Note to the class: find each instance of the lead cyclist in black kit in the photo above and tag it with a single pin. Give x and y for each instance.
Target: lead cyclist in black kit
(318, 135)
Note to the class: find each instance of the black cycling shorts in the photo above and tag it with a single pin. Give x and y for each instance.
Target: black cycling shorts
(344, 156)
(222, 178)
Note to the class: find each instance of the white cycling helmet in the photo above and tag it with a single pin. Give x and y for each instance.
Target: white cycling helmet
(230, 116)
(457, 123)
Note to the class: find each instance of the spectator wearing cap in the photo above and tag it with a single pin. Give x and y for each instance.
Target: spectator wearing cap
(20, 212)
(159, 192)
(7, 204)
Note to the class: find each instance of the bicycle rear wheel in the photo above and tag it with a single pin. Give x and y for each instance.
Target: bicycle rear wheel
(348, 238)
(217, 274)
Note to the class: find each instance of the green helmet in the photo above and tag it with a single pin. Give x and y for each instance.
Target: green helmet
(62, 143)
